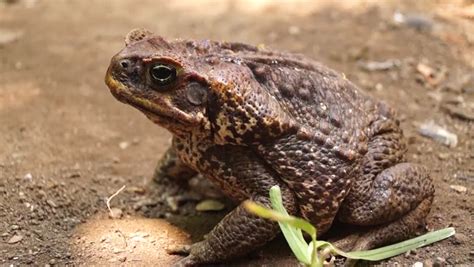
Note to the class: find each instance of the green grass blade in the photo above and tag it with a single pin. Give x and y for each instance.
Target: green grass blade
(402, 247)
(292, 230)
(293, 235)
(277, 204)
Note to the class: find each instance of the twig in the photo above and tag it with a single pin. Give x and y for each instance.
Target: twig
(111, 197)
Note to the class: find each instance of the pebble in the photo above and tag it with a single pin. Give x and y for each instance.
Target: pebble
(430, 76)
(380, 65)
(460, 239)
(122, 258)
(441, 135)
(294, 30)
(115, 213)
(51, 203)
(459, 188)
(28, 176)
(439, 262)
(124, 145)
(8, 36)
(418, 264)
(173, 202)
(210, 205)
(459, 112)
(15, 239)
(416, 21)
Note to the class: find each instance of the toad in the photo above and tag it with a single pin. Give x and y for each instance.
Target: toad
(248, 118)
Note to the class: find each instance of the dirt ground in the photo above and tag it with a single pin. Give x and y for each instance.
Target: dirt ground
(66, 144)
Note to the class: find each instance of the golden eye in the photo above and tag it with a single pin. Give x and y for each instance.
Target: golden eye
(163, 74)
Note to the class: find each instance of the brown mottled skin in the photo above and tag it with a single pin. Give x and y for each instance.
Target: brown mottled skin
(249, 118)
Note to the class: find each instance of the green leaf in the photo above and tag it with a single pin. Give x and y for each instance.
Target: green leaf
(398, 248)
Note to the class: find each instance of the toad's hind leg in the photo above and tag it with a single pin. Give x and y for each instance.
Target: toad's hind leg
(400, 201)
(393, 197)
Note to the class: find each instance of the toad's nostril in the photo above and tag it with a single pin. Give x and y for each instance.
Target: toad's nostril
(124, 63)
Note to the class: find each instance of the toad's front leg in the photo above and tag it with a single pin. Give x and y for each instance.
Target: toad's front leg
(242, 175)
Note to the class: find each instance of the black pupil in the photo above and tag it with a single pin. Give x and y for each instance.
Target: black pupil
(163, 74)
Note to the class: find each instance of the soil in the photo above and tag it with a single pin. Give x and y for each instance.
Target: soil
(67, 144)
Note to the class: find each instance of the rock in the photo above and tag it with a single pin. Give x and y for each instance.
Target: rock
(294, 30)
(379, 65)
(428, 263)
(416, 21)
(136, 190)
(432, 130)
(28, 177)
(51, 203)
(7, 36)
(124, 145)
(464, 176)
(145, 202)
(15, 239)
(460, 239)
(210, 205)
(115, 213)
(122, 258)
(439, 262)
(458, 188)
(173, 202)
(459, 112)
(417, 264)
(431, 76)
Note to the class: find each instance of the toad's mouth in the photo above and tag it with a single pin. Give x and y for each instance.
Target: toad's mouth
(151, 112)
(122, 93)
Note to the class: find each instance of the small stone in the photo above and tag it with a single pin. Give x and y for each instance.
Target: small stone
(75, 175)
(7, 36)
(15, 239)
(439, 262)
(419, 22)
(115, 213)
(136, 190)
(441, 135)
(18, 65)
(428, 263)
(418, 264)
(124, 145)
(28, 176)
(173, 203)
(122, 258)
(459, 112)
(294, 30)
(371, 66)
(210, 205)
(460, 239)
(379, 87)
(458, 188)
(443, 156)
(51, 203)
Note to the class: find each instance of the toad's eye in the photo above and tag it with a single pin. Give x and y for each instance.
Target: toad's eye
(163, 74)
